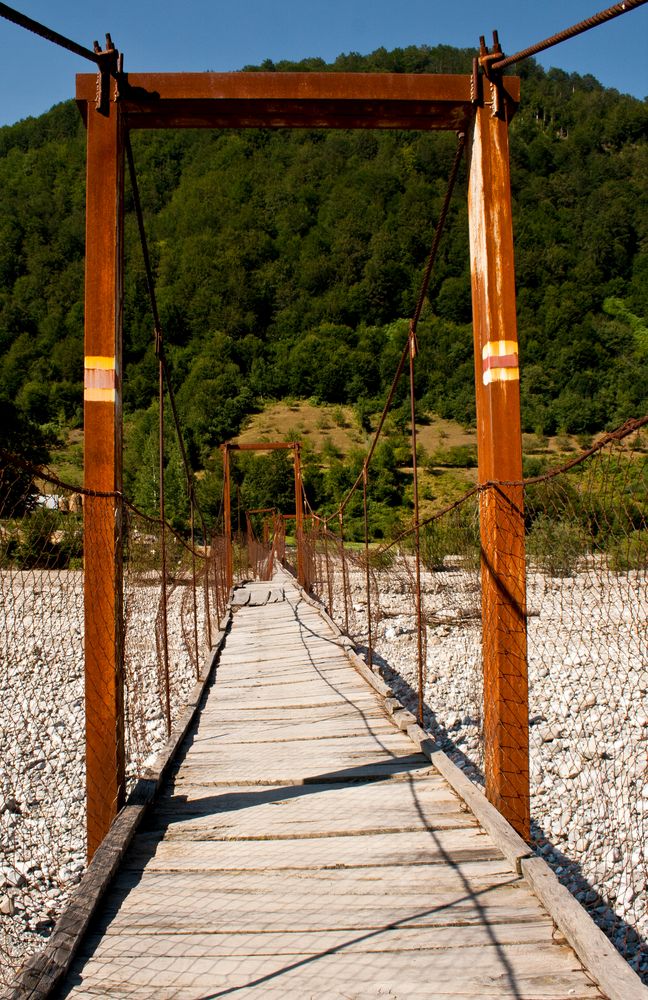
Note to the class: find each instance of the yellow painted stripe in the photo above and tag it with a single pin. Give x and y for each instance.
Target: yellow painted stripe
(95, 362)
(501, 375)
(100, 395)
(497, 348)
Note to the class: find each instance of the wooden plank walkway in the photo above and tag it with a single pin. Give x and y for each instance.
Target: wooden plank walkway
(306, 849)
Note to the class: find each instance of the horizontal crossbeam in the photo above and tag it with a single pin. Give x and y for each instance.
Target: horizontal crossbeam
(293, 100)
(261, 446)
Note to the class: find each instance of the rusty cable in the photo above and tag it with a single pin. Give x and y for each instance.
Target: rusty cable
(438, 232)
(562, 36)
(629, 427)
(415, 317)
(365, 477)
(157, 329)
(41, 472)
(194, 581)
(16, 17)
(148, 270)
(345, 582)
(417, 534)
(413, 348)
(163, 552)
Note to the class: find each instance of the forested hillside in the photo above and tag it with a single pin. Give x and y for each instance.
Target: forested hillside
(287, 260)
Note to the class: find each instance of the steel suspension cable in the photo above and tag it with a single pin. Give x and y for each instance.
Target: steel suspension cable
(163, 556)
(41, 472)
(629, 427)
(438, 232)
(417, 537)
(16, 17)
(165, 379)
(365, 477)
(577, 29)
(344, 572)
(412, 354)
(157, 329)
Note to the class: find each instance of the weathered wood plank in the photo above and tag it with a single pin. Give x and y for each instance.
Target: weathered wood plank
(232, 911)
(205, 774)
(294, 731)
(328, 809)
(405, 989)
(420, 848)
(535, 970)
(384, 880)
(234, 713)
(122, 946)
(363, 746)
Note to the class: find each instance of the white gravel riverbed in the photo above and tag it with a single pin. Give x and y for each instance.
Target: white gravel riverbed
(42, 739)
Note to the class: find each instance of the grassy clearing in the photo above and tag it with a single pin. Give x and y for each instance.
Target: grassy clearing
(447, 450)
(67, 459)
(308, 422)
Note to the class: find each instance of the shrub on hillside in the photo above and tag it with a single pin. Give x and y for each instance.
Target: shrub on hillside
(556, 547)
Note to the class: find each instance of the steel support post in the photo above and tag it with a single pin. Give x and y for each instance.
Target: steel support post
(299, 522)
(227, 515)
(506, 733)
(104, 679)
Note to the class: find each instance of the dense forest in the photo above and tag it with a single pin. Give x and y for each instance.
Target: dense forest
(287, 262)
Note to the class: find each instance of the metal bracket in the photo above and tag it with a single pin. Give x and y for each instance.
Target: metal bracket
(110, 66)
(486, 60)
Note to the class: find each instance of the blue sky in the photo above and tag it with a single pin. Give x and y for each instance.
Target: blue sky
(197, 35)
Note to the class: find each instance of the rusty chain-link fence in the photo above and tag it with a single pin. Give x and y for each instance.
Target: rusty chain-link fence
(168, 615)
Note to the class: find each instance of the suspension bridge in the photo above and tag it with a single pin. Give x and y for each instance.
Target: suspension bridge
(303, 831)
(310, 841)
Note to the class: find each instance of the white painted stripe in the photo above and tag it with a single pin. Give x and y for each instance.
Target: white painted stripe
(501, 375)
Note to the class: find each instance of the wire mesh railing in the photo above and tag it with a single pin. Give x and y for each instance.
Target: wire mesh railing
(42, 747)
(587, 633)
(587, 544)
(43, 736)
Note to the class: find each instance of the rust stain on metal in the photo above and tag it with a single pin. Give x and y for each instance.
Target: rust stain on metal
(103, 447)
(293, 100)
(500, 458)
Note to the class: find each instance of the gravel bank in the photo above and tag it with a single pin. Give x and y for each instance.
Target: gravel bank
(42, 741)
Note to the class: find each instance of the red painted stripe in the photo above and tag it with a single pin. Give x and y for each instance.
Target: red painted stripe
(500, 361)
(100, 378)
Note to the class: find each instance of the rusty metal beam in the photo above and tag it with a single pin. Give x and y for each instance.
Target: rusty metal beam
(497, 380)
(104, 695)
(293, 100)
(263, 446)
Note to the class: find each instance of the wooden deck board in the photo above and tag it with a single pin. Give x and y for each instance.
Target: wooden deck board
(304, 848)
(534, 970)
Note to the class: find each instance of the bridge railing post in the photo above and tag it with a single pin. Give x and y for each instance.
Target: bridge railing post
(103, 570)
(506, 735)
(227, 519)
(299, 522)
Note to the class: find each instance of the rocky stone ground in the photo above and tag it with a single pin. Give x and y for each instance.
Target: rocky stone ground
(588, 673)
(42, 757)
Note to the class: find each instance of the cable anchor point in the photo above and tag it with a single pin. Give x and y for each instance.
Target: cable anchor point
(110, 66)
(487, 60)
